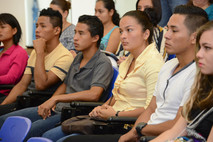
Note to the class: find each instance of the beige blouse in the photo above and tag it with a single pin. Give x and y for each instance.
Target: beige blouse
(137, 89)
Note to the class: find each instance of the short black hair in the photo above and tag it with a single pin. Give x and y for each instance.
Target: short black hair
(95, 26)
(55, 17)
(195, 16)
(6, 18)
(143, 20)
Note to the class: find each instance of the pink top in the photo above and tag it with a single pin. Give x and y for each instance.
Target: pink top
(12, 66)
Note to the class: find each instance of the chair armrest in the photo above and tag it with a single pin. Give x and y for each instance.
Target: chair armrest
(78, 108)
(122, 120)
(32, 98)
(36, 92)
(85, 104)
(8, 86)
(146, 138)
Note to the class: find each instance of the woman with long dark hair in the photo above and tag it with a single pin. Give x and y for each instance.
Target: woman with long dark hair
(13, 58)
(106, 12)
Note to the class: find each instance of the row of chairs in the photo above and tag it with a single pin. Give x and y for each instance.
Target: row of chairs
(15, 129)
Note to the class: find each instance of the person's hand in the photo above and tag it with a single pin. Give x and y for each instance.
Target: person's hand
(39, 45)
(106, 112)
(131, 136)
(95, 111)
(44, 110)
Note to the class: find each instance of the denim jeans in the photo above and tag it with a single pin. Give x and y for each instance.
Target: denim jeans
(56, 134)
(168, 7)
(39, 126)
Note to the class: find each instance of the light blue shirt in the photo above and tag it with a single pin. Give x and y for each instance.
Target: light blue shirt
(209, 11)
(105, 39)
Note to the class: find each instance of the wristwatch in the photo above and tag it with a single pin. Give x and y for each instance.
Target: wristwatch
(139, 127)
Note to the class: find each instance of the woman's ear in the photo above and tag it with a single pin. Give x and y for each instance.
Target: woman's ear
(111, 12)
(146, 34)
(14, 31)
(65, 14)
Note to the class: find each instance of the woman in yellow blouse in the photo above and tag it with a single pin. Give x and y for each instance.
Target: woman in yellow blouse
(135, 84)
(138, 74)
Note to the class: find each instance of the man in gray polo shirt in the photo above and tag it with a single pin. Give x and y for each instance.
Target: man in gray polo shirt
(88, 78)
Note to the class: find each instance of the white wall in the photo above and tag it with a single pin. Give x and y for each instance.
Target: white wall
(79, 7)
(15, 7)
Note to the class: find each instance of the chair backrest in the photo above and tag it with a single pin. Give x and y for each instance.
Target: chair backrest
(111, 85)
(39, 139)
(15, 129)
(108, 93)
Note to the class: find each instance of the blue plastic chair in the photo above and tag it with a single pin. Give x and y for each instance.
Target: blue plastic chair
(39, 139)
(15, 129)
(111, 86)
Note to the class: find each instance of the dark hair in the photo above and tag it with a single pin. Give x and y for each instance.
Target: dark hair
(156, 8)
(6, 18)
(110, 5)
(152, 16)
(195, 16)
(142, 19)
(55, 17)
(95, 26)
(63, 4)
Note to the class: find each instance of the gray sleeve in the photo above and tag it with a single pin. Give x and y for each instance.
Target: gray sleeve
(102, 75)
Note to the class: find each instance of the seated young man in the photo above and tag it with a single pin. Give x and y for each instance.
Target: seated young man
(174, 80)
(48, 64)
(87, 79)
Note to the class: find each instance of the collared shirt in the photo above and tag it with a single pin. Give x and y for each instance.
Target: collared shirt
(97, 72)
(172, 91)
(12, 65)
(58, 61)
(136, 89)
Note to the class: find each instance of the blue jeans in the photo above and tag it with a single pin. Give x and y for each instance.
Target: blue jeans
(39, 126)
(168, 7)
(56, 134)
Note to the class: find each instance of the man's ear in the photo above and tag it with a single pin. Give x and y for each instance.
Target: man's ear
(193, 37)
(57, 30)
(95, 38)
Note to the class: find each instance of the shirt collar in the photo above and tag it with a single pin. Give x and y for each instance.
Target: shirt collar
(91, 62)
(141, 59)
(10, 50)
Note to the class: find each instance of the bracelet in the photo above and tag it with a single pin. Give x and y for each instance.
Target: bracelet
(117, 113)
